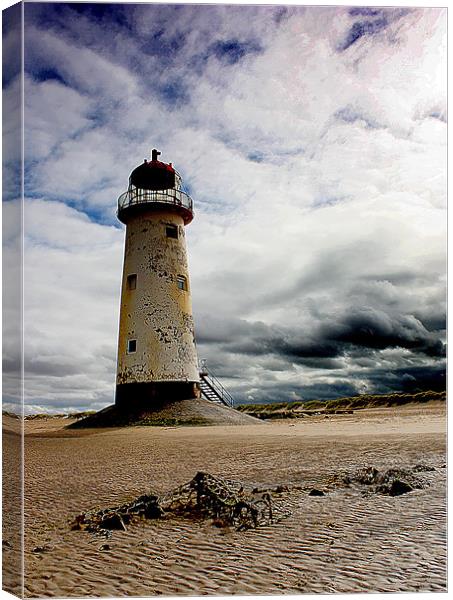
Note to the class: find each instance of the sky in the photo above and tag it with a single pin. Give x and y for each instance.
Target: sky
(313, 143)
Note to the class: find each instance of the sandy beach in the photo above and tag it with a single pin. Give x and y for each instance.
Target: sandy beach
(349, 540)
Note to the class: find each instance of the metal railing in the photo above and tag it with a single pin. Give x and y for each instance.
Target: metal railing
(223, 394)
(172, 196)
(202, 366)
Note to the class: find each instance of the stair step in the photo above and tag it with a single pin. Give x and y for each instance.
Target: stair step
(209, 391)
(212, 389)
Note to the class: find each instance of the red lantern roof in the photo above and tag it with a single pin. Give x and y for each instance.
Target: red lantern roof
(153, 175)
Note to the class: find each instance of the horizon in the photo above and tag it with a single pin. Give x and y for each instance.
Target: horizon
(283, 404)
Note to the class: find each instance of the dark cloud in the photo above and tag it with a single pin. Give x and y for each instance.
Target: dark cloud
(238, 336)
(378, 330)
(12, 56)
(362, 350)
(303, 349)
(355, 331)
(433, 321)
(409, 379)
(318, 361)
(56, 367)
(268, 392)
(379, 381)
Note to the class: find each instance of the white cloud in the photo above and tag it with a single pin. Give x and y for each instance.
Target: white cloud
(72, 275)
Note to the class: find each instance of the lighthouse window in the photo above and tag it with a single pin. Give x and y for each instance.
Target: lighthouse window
(131, 346)
(182, 282)
(132, 282)
(172, 231)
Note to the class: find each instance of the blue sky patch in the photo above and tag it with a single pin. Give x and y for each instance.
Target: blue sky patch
(327, 201)
(165, 48)
(47, 14)
(173, 94)
(364, 28)
(256, 156)
(350, 115)
(438, 114)
(365, 11)
(49, 74)
(232, 51)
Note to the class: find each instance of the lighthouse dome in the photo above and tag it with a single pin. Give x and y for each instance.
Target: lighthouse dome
(153, 175)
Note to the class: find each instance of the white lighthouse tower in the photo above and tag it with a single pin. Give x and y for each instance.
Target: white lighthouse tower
(157, 358)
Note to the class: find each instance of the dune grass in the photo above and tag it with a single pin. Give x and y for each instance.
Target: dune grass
(352, 402)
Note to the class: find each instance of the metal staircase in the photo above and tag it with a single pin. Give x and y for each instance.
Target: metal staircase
(212, 389)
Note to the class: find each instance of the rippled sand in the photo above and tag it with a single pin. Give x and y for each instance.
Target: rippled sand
(342, 542)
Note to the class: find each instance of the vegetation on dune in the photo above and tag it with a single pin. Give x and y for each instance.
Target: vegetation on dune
(5, 413)
(42, 416)
(75, 415)
(353, 402)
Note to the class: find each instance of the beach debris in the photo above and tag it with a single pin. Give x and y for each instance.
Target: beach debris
(116, 518)
(40, 549)
(104, 547)
(205, 496)
(392, 482)
(226, 502)
(420, 468)
(395, 488)
(113, 522)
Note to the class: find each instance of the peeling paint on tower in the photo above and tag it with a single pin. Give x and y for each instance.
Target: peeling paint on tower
(156, 344)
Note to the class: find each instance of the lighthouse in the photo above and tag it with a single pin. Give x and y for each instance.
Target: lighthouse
(157, 357)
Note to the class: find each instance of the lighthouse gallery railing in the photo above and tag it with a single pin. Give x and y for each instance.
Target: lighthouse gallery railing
(140, 196)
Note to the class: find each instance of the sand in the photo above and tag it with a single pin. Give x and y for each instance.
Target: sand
(345, 541)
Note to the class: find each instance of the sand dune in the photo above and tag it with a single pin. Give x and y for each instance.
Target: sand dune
(345, 541)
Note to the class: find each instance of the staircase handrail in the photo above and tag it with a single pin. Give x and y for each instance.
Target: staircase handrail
(215, 383)
(225, 393)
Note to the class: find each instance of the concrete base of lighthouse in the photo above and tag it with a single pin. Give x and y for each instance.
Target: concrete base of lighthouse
(191, 411)
(130, 396)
